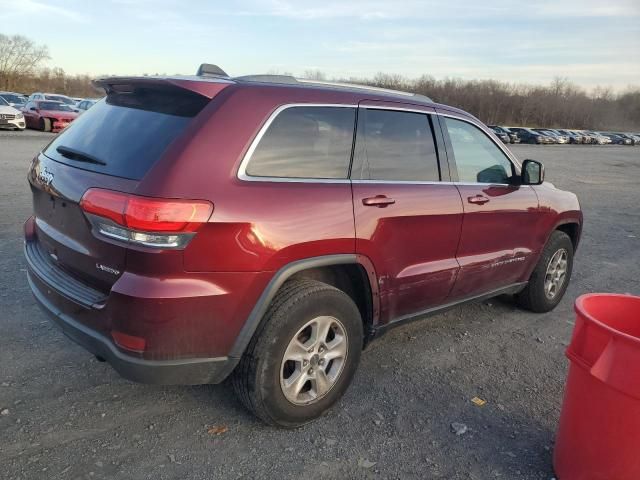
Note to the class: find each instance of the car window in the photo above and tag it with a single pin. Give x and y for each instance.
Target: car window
(129, 132)
(306, 142)
(395, 146)
(478, 159)
(3, 102)
(57, 106)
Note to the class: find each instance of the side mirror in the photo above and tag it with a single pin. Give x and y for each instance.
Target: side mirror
(532, 172)
(34, 109)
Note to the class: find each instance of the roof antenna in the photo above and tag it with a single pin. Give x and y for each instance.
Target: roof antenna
(210, 70)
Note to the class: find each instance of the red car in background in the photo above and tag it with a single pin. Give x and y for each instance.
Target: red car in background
(48, 116)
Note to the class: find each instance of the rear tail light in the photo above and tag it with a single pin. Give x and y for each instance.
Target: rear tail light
(151, 222)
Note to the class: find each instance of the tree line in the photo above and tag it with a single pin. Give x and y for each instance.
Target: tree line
(561, 104)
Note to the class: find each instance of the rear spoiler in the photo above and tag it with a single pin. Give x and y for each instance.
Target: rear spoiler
(208, 87)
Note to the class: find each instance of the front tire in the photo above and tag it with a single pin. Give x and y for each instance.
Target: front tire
(45, 124)
(303, 355)
(550, 278)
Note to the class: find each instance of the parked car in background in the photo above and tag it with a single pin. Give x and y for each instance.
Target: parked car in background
(513, 137)
(629, 136)
(560, 139)
(527, 135)
(133, 261)
(571, 137)
(48, 116)
(504, 137)
(616, 138)
(86, 104)
(14, 99)
(56, 97)
(10, 117)
(636, 138)
(574, 137)
(599, 138)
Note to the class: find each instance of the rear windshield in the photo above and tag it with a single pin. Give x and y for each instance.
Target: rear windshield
(126, 133)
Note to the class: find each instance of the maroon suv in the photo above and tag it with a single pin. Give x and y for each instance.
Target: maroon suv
(187, 229)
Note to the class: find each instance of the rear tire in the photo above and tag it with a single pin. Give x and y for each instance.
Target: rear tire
(308, 325)
(542, 294)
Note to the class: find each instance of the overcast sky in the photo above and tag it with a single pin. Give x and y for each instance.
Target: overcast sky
(589, 42)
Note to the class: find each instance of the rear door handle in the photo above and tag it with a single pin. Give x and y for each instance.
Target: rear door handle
(478, 199)
(380, 201)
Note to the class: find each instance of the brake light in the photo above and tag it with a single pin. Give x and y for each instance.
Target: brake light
(153, 215)
(153, 222)
(105, 203)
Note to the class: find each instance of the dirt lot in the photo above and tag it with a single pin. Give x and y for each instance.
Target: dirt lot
(65, 415)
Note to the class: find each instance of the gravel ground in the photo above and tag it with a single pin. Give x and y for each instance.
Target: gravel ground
(65, 415)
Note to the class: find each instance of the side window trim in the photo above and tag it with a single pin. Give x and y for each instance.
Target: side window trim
(242, 169)
(446, 175)
(451, 156)
(434, 127)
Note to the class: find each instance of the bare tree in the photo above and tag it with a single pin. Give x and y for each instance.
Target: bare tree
(314, 75)
(19, 57)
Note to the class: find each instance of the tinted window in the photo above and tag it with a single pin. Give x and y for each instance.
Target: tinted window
(61, 107)
(305, 142)
(478, 159)
(128, 131)
(12, 98)
(395, 146)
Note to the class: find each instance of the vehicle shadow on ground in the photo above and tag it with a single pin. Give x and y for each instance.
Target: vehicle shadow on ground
(393, 411)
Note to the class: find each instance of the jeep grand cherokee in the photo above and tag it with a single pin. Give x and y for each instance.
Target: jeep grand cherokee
(187, 229)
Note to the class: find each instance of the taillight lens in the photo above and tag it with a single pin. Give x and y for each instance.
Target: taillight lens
(152, 222)
(153, 215)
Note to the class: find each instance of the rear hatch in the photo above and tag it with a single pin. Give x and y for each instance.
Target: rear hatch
(111, 146)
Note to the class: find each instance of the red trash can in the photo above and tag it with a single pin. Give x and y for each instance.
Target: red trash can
(599, 432)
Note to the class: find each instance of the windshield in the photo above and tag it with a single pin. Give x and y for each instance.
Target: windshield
(60, 98)
(61, 107)
(9, 97)
(3, 102)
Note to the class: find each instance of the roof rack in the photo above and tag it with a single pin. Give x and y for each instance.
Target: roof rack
(268, 78)
(207, 69)
(288, 79)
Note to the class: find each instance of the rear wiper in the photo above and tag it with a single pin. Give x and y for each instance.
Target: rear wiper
(78, 156)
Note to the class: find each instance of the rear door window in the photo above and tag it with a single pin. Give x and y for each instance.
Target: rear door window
(305, 142)
(126, 133)
(395, 146)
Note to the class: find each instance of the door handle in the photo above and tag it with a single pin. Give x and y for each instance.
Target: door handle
(478, 199)
(380, 201)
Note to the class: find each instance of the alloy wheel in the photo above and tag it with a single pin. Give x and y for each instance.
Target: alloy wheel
(556, 273)
(313, 360)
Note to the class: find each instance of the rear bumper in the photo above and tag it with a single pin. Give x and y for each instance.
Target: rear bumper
(165, 372)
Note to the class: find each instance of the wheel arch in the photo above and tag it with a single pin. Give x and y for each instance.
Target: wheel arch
(354, 274)
(573, 228)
